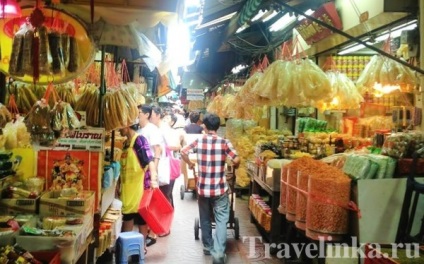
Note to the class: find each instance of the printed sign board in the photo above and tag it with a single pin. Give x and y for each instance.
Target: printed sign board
(84, 139)
(195, 95)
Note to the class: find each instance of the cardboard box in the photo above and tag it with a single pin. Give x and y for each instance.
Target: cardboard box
(273, 177)
(71, 248)
(7, 237)
(51, 204)
(19, 206)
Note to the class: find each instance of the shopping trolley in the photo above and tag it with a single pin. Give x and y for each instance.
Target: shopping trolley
(189, 184)
(233, 222)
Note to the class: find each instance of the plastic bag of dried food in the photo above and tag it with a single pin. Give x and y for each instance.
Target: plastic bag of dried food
(55, 45)
(382, 162)
(43, 60)
(5, 115)
(89, 102)
(216, 105)
(135, 92)
(16, 135)
(344, 90)
(397, 145)
(368, 77)
(38, 123)
(120, 109)
(234, 128)
(357, 167)
(74, 55)
(227, 105)
(15, 63)
(27, 63)
(267, 85)
(66, 93)
(313, 81)
(63, 119)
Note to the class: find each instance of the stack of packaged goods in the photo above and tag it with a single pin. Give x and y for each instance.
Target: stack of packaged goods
(22, 197)
(17, 254)
(260, 211)
(110, 227)
(68, 233)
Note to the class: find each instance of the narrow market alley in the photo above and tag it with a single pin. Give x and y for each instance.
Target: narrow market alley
(181, 247)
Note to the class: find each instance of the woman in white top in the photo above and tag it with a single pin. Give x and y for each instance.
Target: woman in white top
(156, 119)
(157, 144)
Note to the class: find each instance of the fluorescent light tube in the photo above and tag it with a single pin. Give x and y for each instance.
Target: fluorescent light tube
(307, 12)
(283, 22)
(240, 29)
(259, 15)
(216, 21)
(269, 15)
(351, 49)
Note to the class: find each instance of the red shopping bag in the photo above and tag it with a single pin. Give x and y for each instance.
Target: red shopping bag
(156, 211)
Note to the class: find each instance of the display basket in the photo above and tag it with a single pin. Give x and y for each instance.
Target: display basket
(156, 211)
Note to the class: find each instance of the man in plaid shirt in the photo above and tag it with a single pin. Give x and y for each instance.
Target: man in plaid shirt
(212, 152)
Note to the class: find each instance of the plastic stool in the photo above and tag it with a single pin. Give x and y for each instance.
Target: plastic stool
(128, 244)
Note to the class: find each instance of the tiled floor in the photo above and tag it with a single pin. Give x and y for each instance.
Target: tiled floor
(181, 247)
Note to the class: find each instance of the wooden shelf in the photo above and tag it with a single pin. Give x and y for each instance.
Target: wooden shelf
(275, 235)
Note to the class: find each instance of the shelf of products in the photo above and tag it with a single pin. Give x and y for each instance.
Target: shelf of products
(269, 222)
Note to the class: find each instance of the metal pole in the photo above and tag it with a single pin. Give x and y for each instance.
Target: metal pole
(102, 86)
(3, 88)
(420, 96)
(338, 31)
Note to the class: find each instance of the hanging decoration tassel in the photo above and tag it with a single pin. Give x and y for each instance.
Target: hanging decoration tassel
(35, 57)
(37, 20)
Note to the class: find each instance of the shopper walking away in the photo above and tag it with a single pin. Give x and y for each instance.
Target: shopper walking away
(212, 188)
(157, 145)
(164, 163)
(138, 172)
(195, 124)
(174, 139)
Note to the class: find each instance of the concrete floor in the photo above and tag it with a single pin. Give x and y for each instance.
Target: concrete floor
(181, 247)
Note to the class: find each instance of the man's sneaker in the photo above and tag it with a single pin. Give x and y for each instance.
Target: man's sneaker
(206, 252)
(223, 260)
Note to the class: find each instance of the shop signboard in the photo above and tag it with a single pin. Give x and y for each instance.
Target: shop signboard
(312, 32)
(85, 139)
(195, 95)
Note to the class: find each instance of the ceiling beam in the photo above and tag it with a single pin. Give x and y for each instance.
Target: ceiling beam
(158, 5)
(233, 25)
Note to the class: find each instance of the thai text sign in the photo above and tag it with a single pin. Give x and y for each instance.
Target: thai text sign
(89, 139)
(195, 95)
(312, 32)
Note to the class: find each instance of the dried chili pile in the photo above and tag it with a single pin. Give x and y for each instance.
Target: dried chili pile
(327, 212)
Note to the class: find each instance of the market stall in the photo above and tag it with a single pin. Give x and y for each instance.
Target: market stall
(316, 176)
(59, 169)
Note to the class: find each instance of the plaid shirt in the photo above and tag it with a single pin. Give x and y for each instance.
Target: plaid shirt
(212, 152)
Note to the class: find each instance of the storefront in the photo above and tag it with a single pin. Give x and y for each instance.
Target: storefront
(325, 112)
